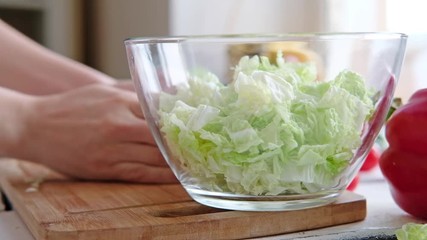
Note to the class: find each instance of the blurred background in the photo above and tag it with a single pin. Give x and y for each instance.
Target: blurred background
(92, 31)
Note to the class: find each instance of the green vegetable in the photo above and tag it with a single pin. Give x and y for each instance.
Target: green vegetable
(412, 231)
(275, 129)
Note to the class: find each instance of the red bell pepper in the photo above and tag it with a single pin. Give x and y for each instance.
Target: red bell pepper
(371, 160)
(404, 162)
(354, 183)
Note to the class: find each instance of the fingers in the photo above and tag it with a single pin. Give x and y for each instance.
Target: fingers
(145, 164)
(133, 104)
(125, 85)
(138, 153)
(136, 172)
(135, 108)
(143, 134)
(134, 130)
(125, 90)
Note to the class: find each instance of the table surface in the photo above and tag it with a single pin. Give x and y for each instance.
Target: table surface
(383, 216)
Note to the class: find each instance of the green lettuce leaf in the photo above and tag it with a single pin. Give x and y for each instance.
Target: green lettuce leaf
(275, 129)
(412, 231)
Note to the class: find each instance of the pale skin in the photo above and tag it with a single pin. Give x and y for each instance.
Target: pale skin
(72, 118)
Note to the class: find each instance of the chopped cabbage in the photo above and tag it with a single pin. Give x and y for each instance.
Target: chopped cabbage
(412, 231)
(275, 129)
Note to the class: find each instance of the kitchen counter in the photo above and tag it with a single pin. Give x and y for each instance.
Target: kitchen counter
(383, 216)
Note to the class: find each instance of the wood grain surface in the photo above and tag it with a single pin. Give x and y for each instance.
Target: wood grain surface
(54, 207)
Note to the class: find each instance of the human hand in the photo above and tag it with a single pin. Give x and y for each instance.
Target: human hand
(92, 132)
(125, 85)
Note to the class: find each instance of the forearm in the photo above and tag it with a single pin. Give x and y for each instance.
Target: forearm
(30, 68)
(13, 111)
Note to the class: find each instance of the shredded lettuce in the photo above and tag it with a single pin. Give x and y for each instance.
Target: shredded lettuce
(275, 129)
(412, 231)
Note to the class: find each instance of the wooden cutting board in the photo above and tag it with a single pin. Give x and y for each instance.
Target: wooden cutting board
(60, 208)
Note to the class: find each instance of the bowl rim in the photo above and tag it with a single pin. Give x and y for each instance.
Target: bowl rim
(299, 36)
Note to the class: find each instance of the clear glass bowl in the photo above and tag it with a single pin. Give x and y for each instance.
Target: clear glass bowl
(266, 122)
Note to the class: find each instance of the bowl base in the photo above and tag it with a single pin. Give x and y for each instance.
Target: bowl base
(261, 203)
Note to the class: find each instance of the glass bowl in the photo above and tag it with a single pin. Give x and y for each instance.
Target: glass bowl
(266, 122)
